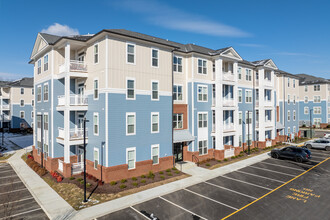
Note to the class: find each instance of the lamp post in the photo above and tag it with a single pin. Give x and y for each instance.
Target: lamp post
(3, 128)
(248, 132)
(310, 123)
(85, 200)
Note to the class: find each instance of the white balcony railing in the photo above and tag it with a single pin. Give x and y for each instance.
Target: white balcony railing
(77, 167)
(213, 128)
(228, 102)
(268, 123)
(5, 107)
(257, 124)
(257, 103)
(74, 100)
(268, 82)
(75, 66)
(228, 127)
(5, 118)
(60, 165)
(74, 134)
(268, 102)
(228, 76)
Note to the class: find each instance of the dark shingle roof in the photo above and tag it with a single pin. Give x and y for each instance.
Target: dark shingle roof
(51, 39)
(24, 82)
(309, 79)
(246, 62)
(260, 62)
(4, 83)
(281, 72)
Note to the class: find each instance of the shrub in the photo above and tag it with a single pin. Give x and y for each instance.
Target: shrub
(174, 168)
(88, 185)
(219, 161)
(143, 176)
(225, 159)
(72, 178)
(169, 174)
(161, 172)
(79, 179)
(59, 179)
(135, 184)
(162, 177)
(233, 157)
(123, 181)
(134, 178)
(208, 164)
(168, 170)
(143, 181)
(151, 175)
(122, 186)
(112, 183)
(177, 171)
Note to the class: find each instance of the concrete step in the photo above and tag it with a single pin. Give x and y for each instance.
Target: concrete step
(185, 165)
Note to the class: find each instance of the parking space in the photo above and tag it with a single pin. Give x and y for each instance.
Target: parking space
(16, 202)
(222, 196)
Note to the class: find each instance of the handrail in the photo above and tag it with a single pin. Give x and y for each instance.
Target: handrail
(194, 156)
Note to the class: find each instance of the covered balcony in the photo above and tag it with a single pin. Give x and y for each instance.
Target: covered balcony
(76, 136)
(228, 71)
(228, 121)
(5, 107)
(76, 102)
(228, 96)
(74, 66)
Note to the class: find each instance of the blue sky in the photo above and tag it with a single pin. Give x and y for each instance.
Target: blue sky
(295, 34)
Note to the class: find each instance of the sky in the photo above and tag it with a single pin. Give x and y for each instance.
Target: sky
(295, 34)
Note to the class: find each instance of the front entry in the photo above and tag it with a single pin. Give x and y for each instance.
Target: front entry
(178, 152)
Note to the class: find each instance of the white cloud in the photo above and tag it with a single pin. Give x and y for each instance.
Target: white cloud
(60, 30)
(165, 16)
(13, 76)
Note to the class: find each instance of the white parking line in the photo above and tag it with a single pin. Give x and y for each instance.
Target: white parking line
(291, 161)
(7, 176)
(247, 183)
(19, 200)
(320, 157)
(6, 171)
(182, 208)
(272, 171)
(17, 190)
(260, 176)
(282, 166)
(10, 183)
(211, 199)
(22, 213)
(139, 213)
(230, 190)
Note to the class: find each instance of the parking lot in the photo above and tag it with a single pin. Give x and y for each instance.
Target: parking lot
(273, 188)
(16, 202)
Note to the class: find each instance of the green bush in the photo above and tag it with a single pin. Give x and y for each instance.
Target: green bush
(174, 168)
(134, 178)
(135, 184)
(79, 179)
(88, 185)
(112, 183)
(143, 176)
(123, 181)
(169, 174)
(122, 186)
(168, 170)
(161, 172)
(219, 161)
(177, 171)
(72, 178)
(162, 177)
(233, 157)
(207, 164)
(82, 181)
(151, 175)
(143, 181)
(225, 159)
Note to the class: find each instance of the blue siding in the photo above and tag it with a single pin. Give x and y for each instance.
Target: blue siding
(16, 116)
(244, 107)
(310, 105)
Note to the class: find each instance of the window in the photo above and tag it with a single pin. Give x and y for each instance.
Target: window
(154, 59)
(96, 89)
(22, 102)
(39, 66)
(294, 99)
(96, 123)
(22, 91)
(239, 72)
(46, 92)
(294, 129)
(288, 82)
(268, 95)
(294, 115)
(32, 102)
(317, 87)
(239, 118)
(306, 110)
(130, 123)
(317, 110)
(32, 90)
(240, 140)
(32, 114)
(22, 114)
(154, 122)
(202, 147)
(240, 96)
(46, 122)
(248, 117)
(155, 153)
(288, 99)
(202, 93)
(202, 120)
(317, 99)
(96, 157)
(289, 116)
(39, 93)
(96, 53)
(46, 62)
(177, 121)
(130, 89)
(294, 83)
(130, 160)
(289, 130)
(317, 122)
(268, 75)
(306, 88)
(248, 96)
(248, 75)
(130, 53)
(177, 92)
(177, 64)
(202, 66)
(306, 99)
(154, 92)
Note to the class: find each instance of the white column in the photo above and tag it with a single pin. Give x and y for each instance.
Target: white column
(67, 57)
(261, 105)
(67, 121)
(218, 105)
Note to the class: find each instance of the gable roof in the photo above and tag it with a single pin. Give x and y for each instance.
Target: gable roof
(24, 82)
(281, 72)
(309, 79)
(266, 63)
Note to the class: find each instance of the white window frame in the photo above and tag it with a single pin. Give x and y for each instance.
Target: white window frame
(39, 66)
(98, 157)
(248, 116)
(97, 123)
(152, 147)
(22, 91)
(288, 82)
(131, 149)
(317, 87)
(20, 114)
(240, 117)
(288, 99)
(177, 92)
(207, 89)
(203, 121)
(32, 91)
(96, 54)
(294, 83)
(32, 114)
(152, 91)
(129, 114)
(306, 99)
(39, 86)
(20, 103)
(157, 58)
(134, 54)
(177, 120)
(46, 85)
(177, 64)
(294, 99)
(152, 114)
(317, 110)
(247, 97)
(306, 88)
(134, 89)
(248, 74)
(317, 99)
(289, 116)
(203, 147)
(32, 102)
(239, 73)
(294, 115)
(46, 63)
(240, 96)
(204, 61)
(306, 108)
(96, 90)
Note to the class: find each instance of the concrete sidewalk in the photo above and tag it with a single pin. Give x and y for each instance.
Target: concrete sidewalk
(53, 205)
(198, 175)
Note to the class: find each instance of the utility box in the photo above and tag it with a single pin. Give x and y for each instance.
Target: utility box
(307, 133)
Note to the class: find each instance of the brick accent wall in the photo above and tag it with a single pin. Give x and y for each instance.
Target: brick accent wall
(181, 109)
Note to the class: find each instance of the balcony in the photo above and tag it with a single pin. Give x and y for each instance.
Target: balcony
(228, 127)
(257, 103)
(5, 118)
(268, 103)
(268, 123)
(77, 103)
(257, 124)
(76, 68)
(268, 83)
(5, 107)
(228, 103)
(228, 76)
(76, 136)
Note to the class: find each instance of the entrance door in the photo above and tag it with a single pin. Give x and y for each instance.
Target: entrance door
(80, 92)
(178, 152)
(80, 154)
(80, 122)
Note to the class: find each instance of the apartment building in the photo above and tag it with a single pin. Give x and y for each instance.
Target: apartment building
(16, 104)
(287, 104)
(314, 102)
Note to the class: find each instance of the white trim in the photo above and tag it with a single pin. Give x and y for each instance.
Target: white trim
(45, 84)
(155, 146)
(126, 127)
(238, 95)
(132, 44)
(98, 157)
(20, 114)
(153, 48)
(39, 86)
(207, 91)
(98, 88)
(249, 90)
(207, 119)
(106, 100)
(177, 92)
(154, 81)
(98, 124)
(20, 103)
(131, 149)
(47, 62)
(177, 65)
(202, 59)
(98, 53)
(152, 114)
(131, 78)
